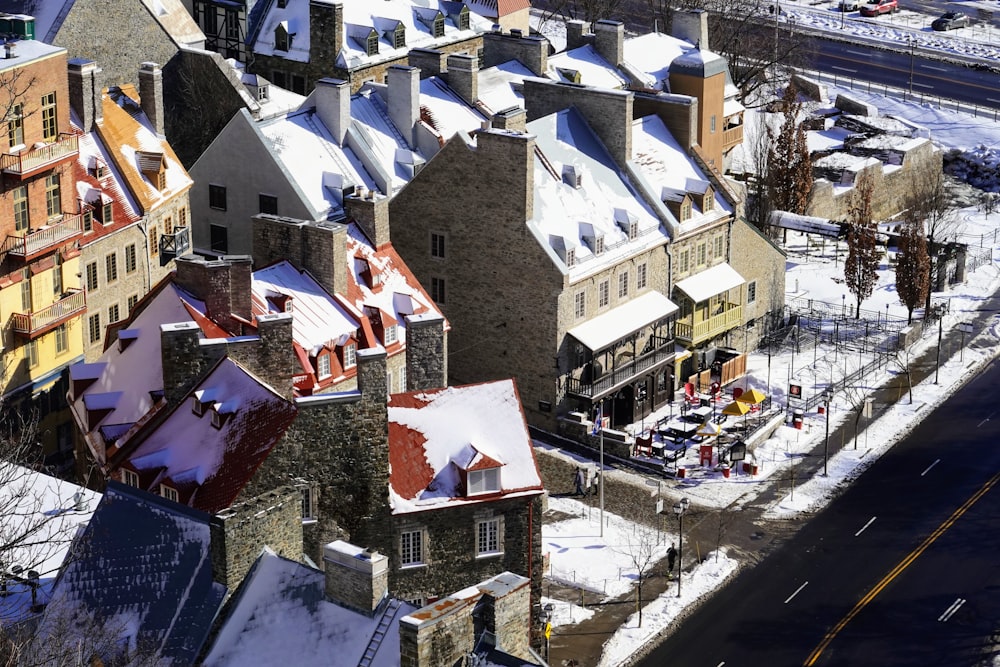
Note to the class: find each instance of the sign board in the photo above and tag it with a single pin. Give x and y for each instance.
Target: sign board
(867, 409)
(659, 506)
(965, 327)
(548, 630)
(795, 391)
(738, 451)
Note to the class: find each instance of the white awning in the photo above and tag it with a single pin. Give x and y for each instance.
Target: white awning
(626, 319)
(716, 280)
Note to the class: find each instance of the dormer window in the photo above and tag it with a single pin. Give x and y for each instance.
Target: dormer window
(350, 355)
(88, 219)
(598, 245)
(483, 481)
(399, 36)
(708, 201)
(391, 334)
(323, 366)
(100, 169)
(198, 408)
(571, 176)
(627, 222)
(153, 166)
(262, 93)
(685, 210)
(570, 258)
(217, 419)
(130, 477)
(371, 44)
(438, 27)
(282, 38)
(463, 18)
(168, 492)
(107, 214)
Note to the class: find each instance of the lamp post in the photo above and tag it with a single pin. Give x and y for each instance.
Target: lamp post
(912, 42)
(937, 362)
(679, 509)
(827, 396)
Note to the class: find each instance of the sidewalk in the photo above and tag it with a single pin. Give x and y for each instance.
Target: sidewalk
(748, 534)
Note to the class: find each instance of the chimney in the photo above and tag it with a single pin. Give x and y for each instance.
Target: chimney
(610, 41)
(512, 118)
(404, 100)
(372, 216)
(10, 50)
(356, 578)
(531, 51)
(151, 94)
(333, 105)
(372, 376)
(463, 77)
(181, 359)
(426, 352)
(577, 34)
(326, 33)
(223, 284)
(276, 357)
(85, 91)
(324, 255)
(692, 26)
(430, 62)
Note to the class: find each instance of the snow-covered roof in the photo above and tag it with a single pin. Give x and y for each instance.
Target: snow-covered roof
(704, 285)
(281, 610)
(805, 223)
(501, 87)
(96, 190)
(585, 65)
(606, 328)
(699, 62)
(651, 55)
(434, 434)
(564, 213)
(447, 112)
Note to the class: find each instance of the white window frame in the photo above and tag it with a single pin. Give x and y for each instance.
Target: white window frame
(623, 285)
(483, 481)
(391, 334)
(411, 548)
(323, 366)
(169, 492)
(580, 304)
(402, 379)
(130, 477)
(489, 537)
(603, 293)
(350, 355)
(641, 276)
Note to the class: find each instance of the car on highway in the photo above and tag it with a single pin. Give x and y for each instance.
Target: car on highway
(877, 7)
(950, 21)
(849, 5)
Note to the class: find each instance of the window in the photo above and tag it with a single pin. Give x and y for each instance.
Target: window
(720, 246)
(232, 24)
(154, 242)
(26, 294)
(685, 210)
(399, 37)
(282, 40)
(323, 365)
(391, 334)
(217, 197)
(49, 116)
(92, 276)
(701, 254)
(751, 292)
(350, 355)
(298, 84)
(439, 26)
(113, 313)
(132, 300)
(57, 282)
(129, 477)
(437, 245)
(21, 208)
(463, 18)
(168, 492)
(712, 122)
(62, 339)
(402, 378)
(437, 290)
(88, 219)
(371, 44)
(130, 263)
(683, 261)
(218, 238)
(488, 537)
(216, 419)
(94, 327)
(279, 79)
(623, 284)
(411, 548)
(107, 214)
(603, 294)
(268, 204)
(31, 353)
(168, 225)
(182, 216)
(15, 125)
(640, 276)
(708, 202)
(388, 381)
(580, 309)
(308, 502)
(111, 267)
(53, 202)
(484, 481)
(197, 407)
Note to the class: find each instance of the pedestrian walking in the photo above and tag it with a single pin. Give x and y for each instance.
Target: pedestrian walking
(596, 484)
(578, 481)
(671, 559)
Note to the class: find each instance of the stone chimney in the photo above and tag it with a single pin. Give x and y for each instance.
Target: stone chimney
(372, 215)
(181, 359)
(276, 359)
(577, 34)
(317, 247)
(426, 352)
(151, 94)
(430, 62)
(531, 51)
(512, 118)
(326, 33)
(404, 100)
(610, 41)
(85, 92)
(333, 106)
(356, 578)
(372, 376)
(463, 77)
(223, 284)
(692, 26)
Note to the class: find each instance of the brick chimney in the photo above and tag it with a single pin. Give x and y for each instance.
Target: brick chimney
(317, 247)
(426, 352)
(512, 118)
(333, 106)
(372, 215)
(151, 94)
(531, 51)
(430, 62)
(356, 578)
(326, 33)
(85, 92)
(610, 41)
(223, 284)
(404, 100)
(577, 34)
(463, 76)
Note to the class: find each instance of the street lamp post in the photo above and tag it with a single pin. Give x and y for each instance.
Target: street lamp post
(827, 395)
(912, 42)
(937, 362)
(679, 509)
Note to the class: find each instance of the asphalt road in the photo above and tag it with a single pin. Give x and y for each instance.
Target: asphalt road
(899, 570)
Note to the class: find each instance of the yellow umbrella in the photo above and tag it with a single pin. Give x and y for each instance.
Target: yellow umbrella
(736, 409)
(708, 429)
(752, 397)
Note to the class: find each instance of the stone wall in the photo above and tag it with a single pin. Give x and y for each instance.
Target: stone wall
(426, 353)
(531, 51)
(762, 264)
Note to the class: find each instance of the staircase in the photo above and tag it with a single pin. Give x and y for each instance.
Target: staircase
(383, 626)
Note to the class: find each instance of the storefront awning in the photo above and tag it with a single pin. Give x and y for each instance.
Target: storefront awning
(716, 280)
(624, 320)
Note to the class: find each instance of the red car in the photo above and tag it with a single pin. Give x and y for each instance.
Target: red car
(876, 7)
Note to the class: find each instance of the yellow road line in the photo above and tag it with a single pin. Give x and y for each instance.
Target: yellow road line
(896, 571)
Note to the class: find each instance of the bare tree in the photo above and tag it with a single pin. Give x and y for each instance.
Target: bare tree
(789, 177)
(913, 267)
(901, 360)
(930, 204)
(14, 86)
(645, 548)
(861, 265)
(586, 10)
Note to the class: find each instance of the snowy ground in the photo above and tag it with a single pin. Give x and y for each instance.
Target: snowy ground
(573, 544)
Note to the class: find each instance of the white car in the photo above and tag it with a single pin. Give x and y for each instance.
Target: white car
(848, 5)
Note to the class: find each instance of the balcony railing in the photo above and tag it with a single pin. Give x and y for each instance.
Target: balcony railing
(623, 374)
(176, 244)
(713, 326)
(50, 236)
(33, 324)
(32, 160)
(732, 137)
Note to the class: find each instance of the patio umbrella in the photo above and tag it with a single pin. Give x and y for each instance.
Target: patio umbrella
(752, 397)
(709, 429)
(735, 409)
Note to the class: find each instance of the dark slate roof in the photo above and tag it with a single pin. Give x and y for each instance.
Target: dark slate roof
(142, 572)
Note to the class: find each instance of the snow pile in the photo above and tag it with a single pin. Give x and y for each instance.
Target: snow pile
(979, 167)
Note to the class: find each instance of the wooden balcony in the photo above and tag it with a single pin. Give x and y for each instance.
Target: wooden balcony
(696, 332)
(732, 137)
(617, 377)
(30, 161)
(35, 324)
(41, 241)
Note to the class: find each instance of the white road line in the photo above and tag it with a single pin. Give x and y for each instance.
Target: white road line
(870, 522)
(990, 99)
(857, 53)
(797, 591)
(845, 69)
(922, 85)
(936, 69)
(985, 420)
(936, 461)
(950, 611)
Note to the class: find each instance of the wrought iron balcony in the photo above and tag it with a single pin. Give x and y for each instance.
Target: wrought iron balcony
(36, 323)
(38, 242)
(30, 161)
(175, 244)
(696, 332)
(622, 375)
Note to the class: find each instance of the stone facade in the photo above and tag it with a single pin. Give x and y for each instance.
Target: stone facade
(239, 532)
(761, 263)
